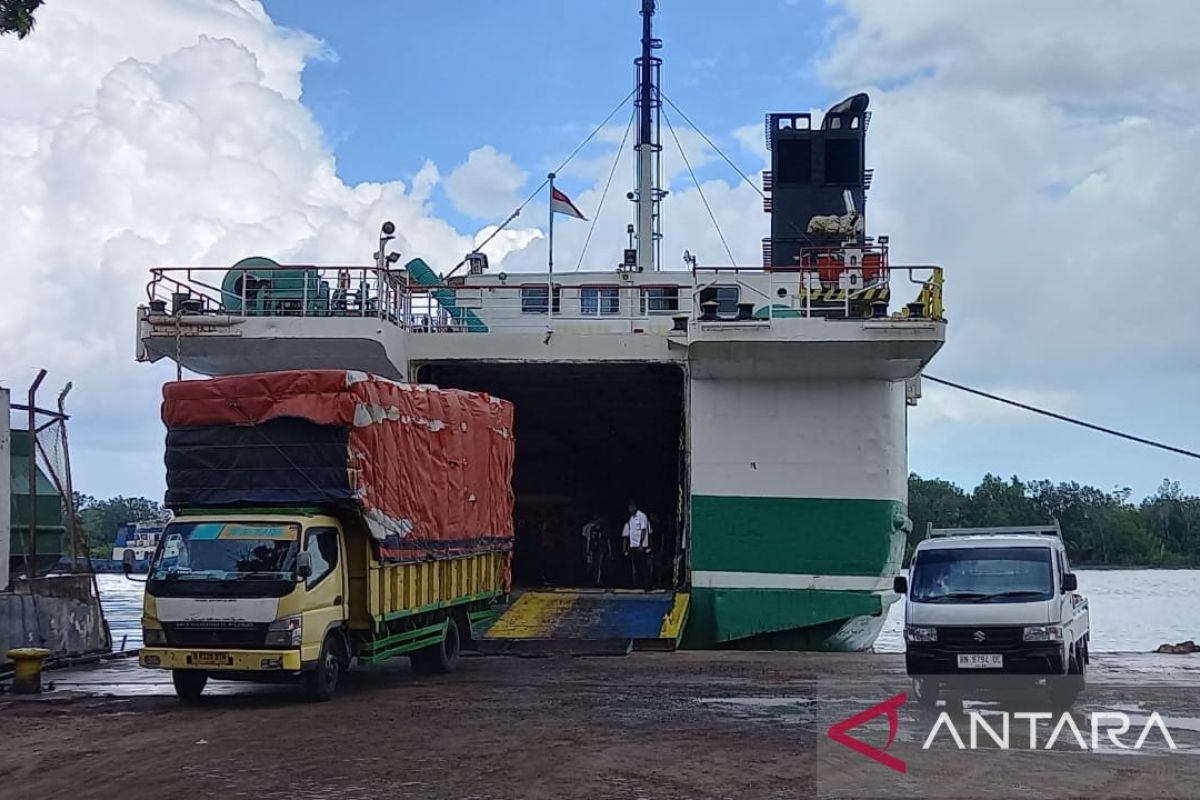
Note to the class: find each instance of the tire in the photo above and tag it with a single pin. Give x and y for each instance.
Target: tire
(1065, 689)
(925, 692)
(189, 684)
(321, 684)
(1077, 675)
(440, 658)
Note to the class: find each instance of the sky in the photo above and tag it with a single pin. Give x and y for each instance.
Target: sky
(1044, 153)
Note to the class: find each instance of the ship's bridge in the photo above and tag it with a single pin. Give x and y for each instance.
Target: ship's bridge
(844, 311)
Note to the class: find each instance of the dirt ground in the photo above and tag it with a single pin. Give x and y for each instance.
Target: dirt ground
(680, 725)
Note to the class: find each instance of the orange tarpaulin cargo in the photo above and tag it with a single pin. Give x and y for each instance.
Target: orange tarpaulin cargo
(430, 470)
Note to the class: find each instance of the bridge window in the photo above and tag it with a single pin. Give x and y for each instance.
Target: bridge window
(660, 299)
(599, 300)
(533, 299)
(726, 297)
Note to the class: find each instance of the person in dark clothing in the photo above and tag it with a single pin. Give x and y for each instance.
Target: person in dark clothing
(594, 546)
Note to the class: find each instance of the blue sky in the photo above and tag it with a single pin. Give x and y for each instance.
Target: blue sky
(532, 77)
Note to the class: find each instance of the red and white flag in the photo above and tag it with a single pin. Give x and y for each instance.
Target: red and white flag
(561, 204)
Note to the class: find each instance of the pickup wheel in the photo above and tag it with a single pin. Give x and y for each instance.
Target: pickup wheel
(925, 692)
(1065, 689)
(189, 684)
(440, 658)
(1077, 675)
(321, 683)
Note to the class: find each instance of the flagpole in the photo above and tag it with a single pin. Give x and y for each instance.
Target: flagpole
(550, 279)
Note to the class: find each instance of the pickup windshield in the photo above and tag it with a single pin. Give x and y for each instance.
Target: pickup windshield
(982, 575)
(226, 551)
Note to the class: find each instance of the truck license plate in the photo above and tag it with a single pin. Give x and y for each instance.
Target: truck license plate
(212, 659)
(980, 661)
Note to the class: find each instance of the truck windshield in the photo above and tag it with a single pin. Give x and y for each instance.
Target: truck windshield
(982, 575)
(226, 551)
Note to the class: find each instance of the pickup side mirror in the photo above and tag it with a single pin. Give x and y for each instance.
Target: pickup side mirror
(900, 584)
(304, 564)
(1070, 582)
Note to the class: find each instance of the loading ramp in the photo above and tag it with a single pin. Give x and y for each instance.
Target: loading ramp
(583, 622)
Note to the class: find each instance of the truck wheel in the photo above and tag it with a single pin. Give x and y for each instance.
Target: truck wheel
(189, 684)
(440, 658)
(925, 692)
(321, 683)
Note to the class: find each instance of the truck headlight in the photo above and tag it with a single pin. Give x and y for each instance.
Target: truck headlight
(914, 633)
(1043, 633)
(154, 636)
(286, 632)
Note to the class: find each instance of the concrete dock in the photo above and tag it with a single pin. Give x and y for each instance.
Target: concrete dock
(688, 724)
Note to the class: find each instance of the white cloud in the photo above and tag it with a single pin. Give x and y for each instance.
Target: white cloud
(1045, 154)
(152, 132)
(485, 186)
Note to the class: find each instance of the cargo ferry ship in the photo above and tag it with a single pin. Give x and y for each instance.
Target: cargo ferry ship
(757, 414)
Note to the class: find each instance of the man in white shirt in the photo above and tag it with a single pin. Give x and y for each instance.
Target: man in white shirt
(637, 546)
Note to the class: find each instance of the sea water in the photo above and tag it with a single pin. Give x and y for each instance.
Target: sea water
(1132, 610)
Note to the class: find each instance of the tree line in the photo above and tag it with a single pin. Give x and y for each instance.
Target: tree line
(99, 519)
(1100, 528)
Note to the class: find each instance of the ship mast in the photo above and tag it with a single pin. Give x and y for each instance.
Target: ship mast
(648, 103)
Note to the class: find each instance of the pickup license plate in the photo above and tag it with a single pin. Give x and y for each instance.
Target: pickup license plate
(212, 659)
(980, 661)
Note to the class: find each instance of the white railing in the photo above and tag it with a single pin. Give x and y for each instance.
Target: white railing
(288, 291)
(716, 294)
(311, 291)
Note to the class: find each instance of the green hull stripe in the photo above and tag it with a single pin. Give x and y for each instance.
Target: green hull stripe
(795, 535)
(797, 619)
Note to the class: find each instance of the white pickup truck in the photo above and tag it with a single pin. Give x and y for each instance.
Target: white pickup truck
(983, 602)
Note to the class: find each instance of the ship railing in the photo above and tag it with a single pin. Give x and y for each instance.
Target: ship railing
(276, 291)
(756, 295)
(389, 295)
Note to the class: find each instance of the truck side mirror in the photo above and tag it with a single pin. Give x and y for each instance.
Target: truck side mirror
(900, 584)
(128, 562)
(304, 564)
(1070, 582)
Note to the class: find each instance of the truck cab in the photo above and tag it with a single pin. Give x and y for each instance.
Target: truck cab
(985, 602)
(242, 595)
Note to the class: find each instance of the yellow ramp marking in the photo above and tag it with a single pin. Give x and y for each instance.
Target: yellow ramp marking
(672, 626)
(535, 615)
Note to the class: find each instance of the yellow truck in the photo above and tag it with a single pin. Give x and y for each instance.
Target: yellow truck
(325, 519)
